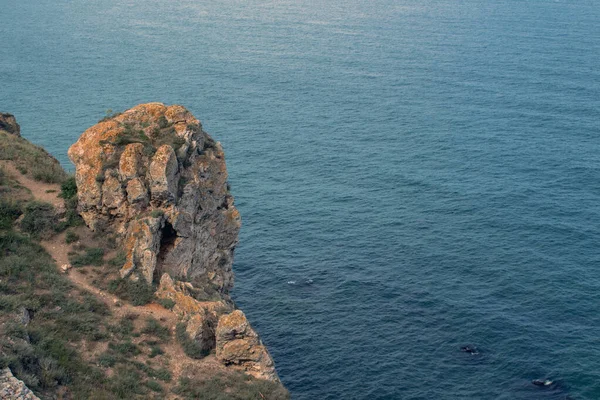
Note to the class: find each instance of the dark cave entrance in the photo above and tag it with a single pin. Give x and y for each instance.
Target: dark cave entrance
(167, 243)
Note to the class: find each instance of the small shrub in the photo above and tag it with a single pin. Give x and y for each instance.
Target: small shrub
(137, 292)
(154, 386)
(109, 114)
(193, 127)
(9, 212)
(126, 349)
(155, 350)
(157, 213)
(126, 382)
(107, 359)
(163, 123)
(92, 256)
(71, 237)
(68, 189)
(39, 219)
(123, 328)
(166, 303)
(154, 328)
(72, 217)
(163, 374)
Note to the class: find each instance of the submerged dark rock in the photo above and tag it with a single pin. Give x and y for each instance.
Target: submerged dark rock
(469, 349)
(542, 382)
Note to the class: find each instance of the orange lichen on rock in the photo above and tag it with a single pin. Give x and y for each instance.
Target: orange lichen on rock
(156, 160)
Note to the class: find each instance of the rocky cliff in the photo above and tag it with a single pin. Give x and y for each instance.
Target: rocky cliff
(153, 176)
(8, 123)
(156, 180)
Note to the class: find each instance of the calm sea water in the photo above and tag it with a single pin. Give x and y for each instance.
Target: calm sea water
(432, 167)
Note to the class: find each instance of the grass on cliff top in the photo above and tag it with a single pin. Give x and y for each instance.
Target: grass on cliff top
(47, 325)
(41, 352)
(31, 159)
(233, 386)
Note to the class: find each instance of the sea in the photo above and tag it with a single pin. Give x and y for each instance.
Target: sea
(414, 176)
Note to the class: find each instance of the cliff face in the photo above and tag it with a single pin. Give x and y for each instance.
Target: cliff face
(154, 178)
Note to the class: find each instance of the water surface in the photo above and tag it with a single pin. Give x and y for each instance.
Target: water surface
(431, 166)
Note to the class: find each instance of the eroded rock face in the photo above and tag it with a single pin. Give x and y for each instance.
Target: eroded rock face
(238, 345)
(185, 298)
(9, 124)
(153, 176)
(13, 389)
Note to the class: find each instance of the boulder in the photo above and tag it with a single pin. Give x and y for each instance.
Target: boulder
(238, 345)
(13, 389)
(8, 123)
(200, 327)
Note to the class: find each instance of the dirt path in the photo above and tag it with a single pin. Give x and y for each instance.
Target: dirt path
(46, 192)
(59, 250)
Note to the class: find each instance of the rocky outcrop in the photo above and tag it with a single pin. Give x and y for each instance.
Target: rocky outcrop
(13, 389)
(9, 124)
(239, 345)
(153, 176)
(156, 179)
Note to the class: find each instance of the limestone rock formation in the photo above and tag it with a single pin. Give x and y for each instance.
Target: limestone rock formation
(13, 389)
(9, 124)
(156, 179)
(239, 345)
(153, 176)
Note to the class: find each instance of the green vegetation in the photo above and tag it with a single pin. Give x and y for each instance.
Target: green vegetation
(91, 256)
(41, 353)
(154, 386)
(137, 292)
(68, 189)
(71, 237)
(151, 136)
(30, 159)
(155, 350)
(234, 386)
(157, 213)
(39, 219)
(9, 212)
(166, 303)
(154, 328)
(118, 260)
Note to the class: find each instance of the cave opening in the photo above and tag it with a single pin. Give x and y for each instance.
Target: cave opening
(167, 243)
